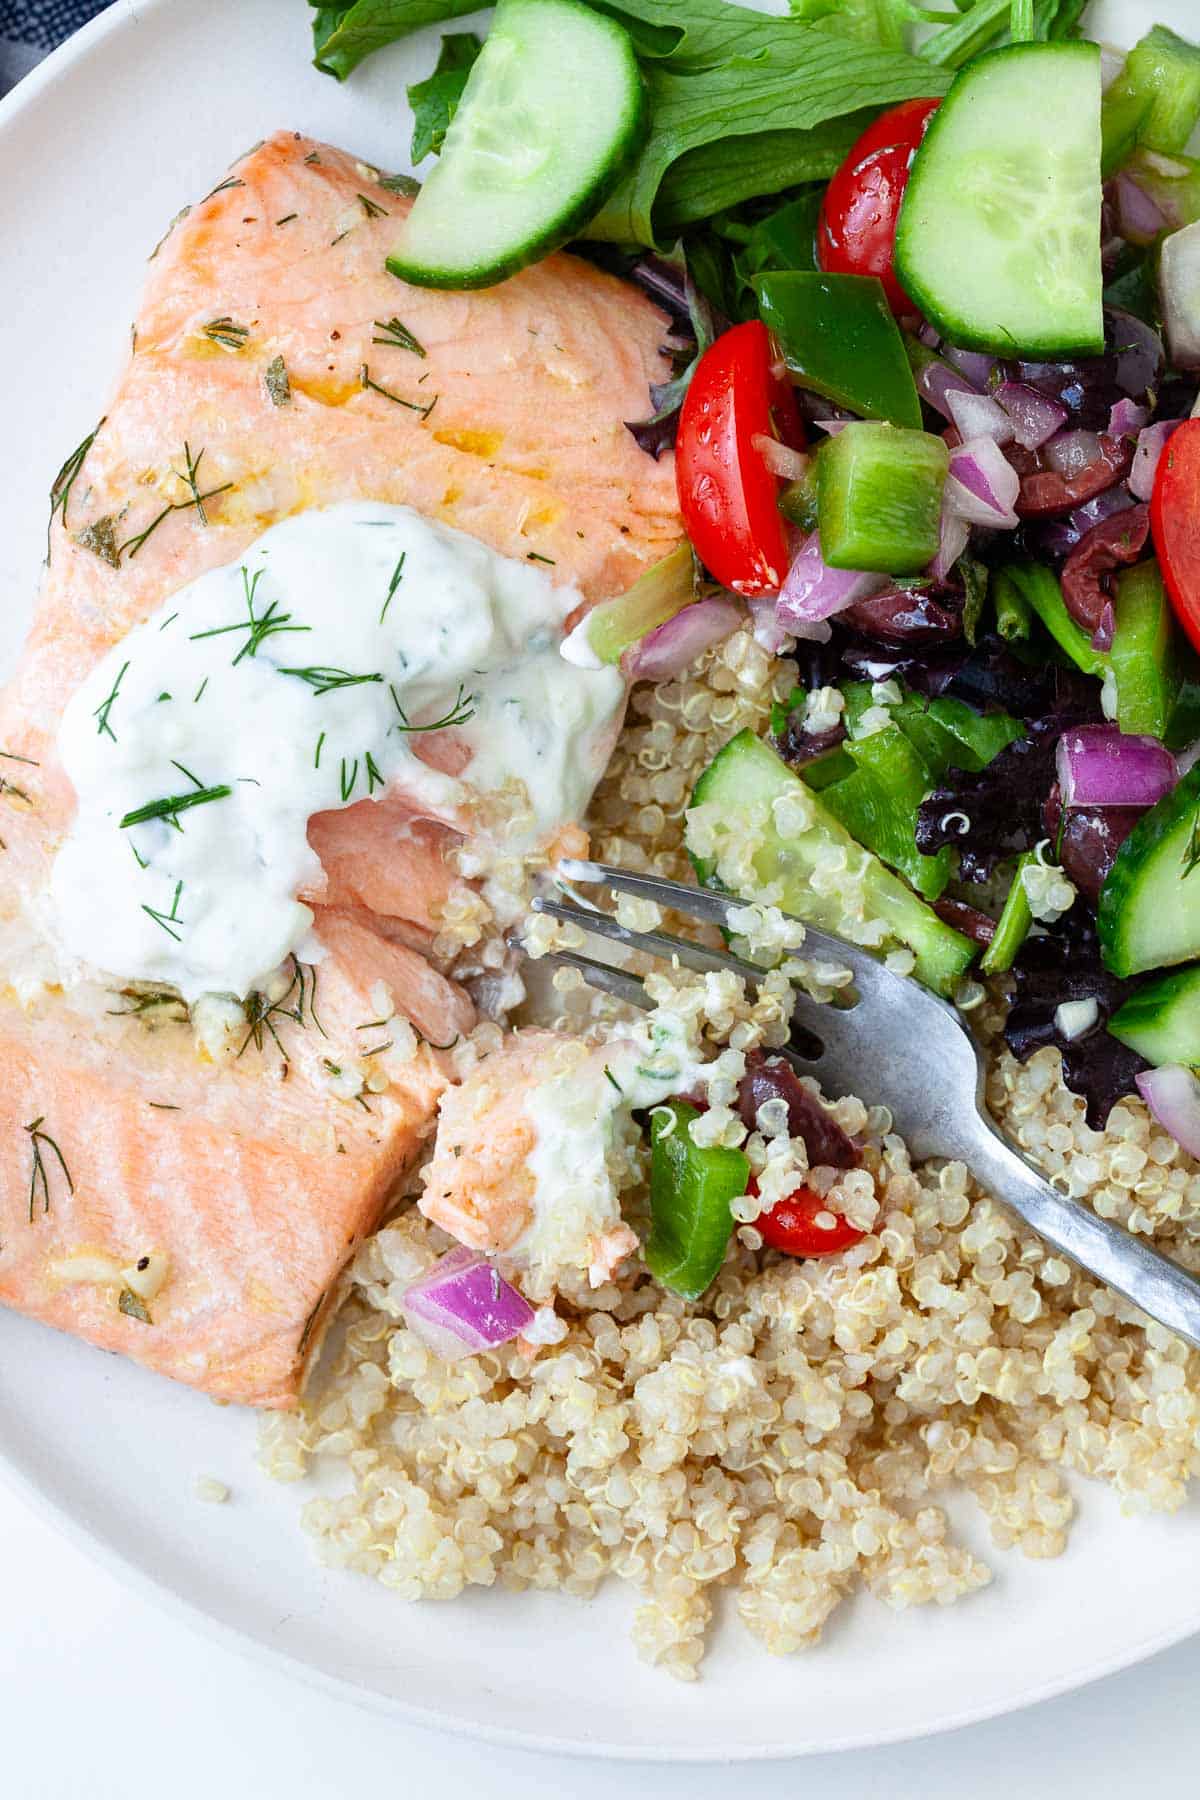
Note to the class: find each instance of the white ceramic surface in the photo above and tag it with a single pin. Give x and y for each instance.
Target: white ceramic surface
(98, 149)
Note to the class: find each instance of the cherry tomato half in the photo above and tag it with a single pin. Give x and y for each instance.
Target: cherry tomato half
(856, 234)
(1175, 523)
(790, 1226)
(727, 495)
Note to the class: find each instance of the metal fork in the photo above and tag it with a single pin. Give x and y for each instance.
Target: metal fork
(901, 1046)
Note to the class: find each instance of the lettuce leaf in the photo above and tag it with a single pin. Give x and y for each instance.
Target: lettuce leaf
(435, 99)
(343, 35)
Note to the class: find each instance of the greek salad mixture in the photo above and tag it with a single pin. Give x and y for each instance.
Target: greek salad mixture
(932, 280)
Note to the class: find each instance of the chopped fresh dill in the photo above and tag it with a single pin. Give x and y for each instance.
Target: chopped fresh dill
(393, 584)
(11, 756)
(199, 690)
(346, 782)
(397, 336)
(259, 626)
(376, 1049)
(139, 860)
(190, 480)
(462, 710)
(312, 157)
(339, 237)
(169, 621)
(373, 1025)
(227, 332)
(374, 778)
(64, 481)
(194, 779)
(167, 920)
(230, 181)
(163, 696)
(324, 680)
(134, 1307)
(172, 804)
(401, 184)
(106, 706)
(1191, 856)
(144, 1002)
(311, 1320)
(317, 757)
(372, 208)
(163, 1106)
(366, 382)
(611, 1077)
(38, 1174)
(277, 383)
(533, 556)
(287, 218)
(262, 1013)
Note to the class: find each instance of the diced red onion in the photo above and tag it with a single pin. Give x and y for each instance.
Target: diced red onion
(974, 415)
(937, 381)
(982, 486)
(930, 336)
(781, 459)
(954, 538)
(813, 591)
(463, 1305)
(972, 363)
(769, 634)
(1071, 452)
(1179, 290)
(671, 648)
(1035, 417)
(1127, 418)
(832, 426)
(1173, 1095)
(1139, 219)
(1150, 445)
(1099, 765)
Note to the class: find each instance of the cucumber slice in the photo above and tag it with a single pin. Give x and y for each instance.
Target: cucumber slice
(552, 112)
(744, 780)
(1162, 1020)
(1149, 909)
(998, 240)
(879, 497)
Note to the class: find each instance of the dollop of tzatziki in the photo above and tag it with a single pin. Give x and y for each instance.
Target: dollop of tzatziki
(302, 679)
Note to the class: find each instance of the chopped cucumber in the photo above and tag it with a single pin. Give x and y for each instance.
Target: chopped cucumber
(1142, 659)
(1149, 908)
(552, 112)
(839, 338)
(879, 498)
(743, 782)
(798, 500)
(664, 590)
(1040, 589)
(1162, 1020)
(1155, 100)
(998, 240)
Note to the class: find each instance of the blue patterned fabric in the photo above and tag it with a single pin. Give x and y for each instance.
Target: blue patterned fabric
(29, 28)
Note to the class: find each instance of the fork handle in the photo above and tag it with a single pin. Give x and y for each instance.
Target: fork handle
(1127, 1263)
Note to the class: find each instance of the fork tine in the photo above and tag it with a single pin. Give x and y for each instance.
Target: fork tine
(617, 982)
(708, 905)
(653, 943)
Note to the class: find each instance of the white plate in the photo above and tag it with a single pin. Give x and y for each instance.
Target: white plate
(98, 149)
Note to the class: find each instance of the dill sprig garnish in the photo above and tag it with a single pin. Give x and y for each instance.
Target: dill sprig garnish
(1191, 856)
(172, 804)
(317, 757)
(259, 625)
(106, 706)
(397, 336)
(393, 584)
(39, 1174)
(166, 920)
(324, 680)
(64, 481)
(11, 756)
(196, 500)
(287, 218)
(376, 1049)
(262, 1013)
(230, 181)
(145, 1002)
(535, 556)
(462, 710)
(199, 691)
(346, 781)
(227, 332)
(372, 208)
(374, 778)
(366, 382)
(311, 1320)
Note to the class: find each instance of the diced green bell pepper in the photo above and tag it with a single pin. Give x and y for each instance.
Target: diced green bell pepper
(1012, 927)
(1013, 616)
(879, 498)
(1142, 654)
(839, 338)
(798, 500)
(1155, 100)
(950, 735)
(1041, 590)
(878, 805)
(691, 1188)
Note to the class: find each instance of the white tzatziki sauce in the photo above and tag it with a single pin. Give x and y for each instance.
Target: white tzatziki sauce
(292, 682)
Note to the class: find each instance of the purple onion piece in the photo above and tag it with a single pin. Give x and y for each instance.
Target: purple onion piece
(1139, 219)
(1099, 765)
(464, 1305)
(1150, 445)
(982, 486)
(974, 364)
(976, 415)
(1172, 1093)
(674, 646)
(813, 592)
(1034, 417)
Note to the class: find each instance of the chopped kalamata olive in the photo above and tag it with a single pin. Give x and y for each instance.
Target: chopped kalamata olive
(968, 919)
(772, 1079)
(1112, 544)
(919, 614)
(1044, 492)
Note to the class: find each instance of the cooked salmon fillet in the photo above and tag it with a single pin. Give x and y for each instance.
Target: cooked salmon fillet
(123, 1138)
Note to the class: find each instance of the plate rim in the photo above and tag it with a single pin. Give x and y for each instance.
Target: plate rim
(24, 97)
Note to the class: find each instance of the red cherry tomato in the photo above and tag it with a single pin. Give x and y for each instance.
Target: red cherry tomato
(790, 1226)
(1175, 523)
(856, 234)
(727, 495)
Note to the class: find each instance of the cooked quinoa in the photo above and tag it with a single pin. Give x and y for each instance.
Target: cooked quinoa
(789, 1434)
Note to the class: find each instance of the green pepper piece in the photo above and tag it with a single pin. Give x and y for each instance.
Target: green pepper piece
(1154, 101)
(1013, 617)
(691, 1188)
(1184, 727)
(951, 735)
(1012, 927)
(786, 238)
(1143, 664)
(1038, 586)
(878, 806)
(879, 497)
(798, 500)
(839, 338)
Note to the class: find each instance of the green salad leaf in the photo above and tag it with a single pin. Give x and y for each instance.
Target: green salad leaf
(343, 35)
(435, 100)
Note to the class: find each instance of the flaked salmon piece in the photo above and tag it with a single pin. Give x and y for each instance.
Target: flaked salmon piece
(249, 1175)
